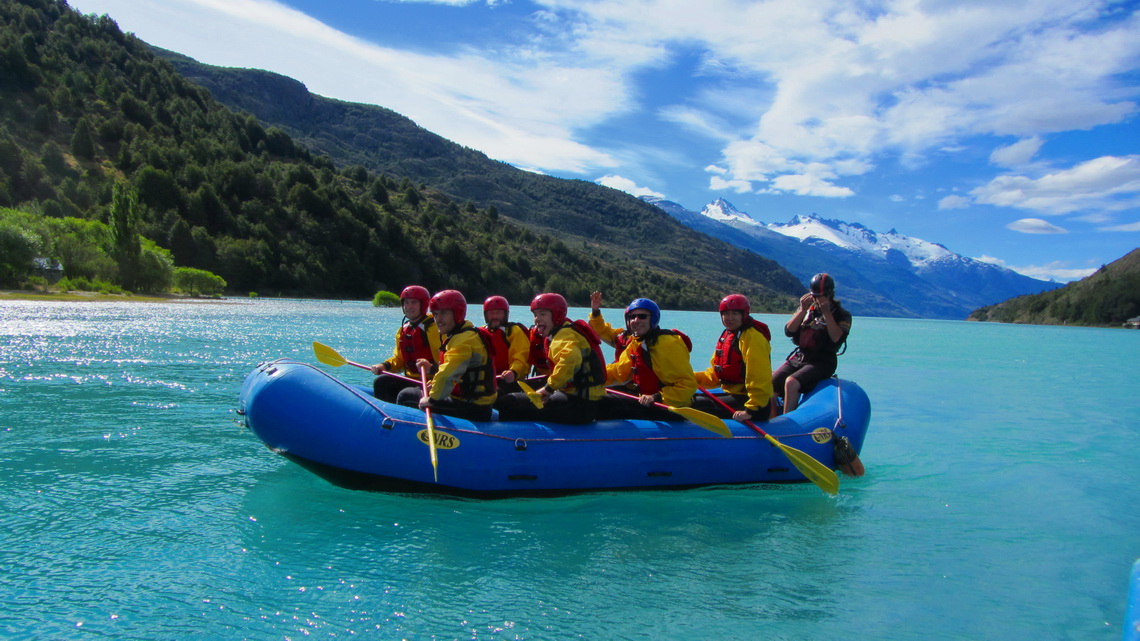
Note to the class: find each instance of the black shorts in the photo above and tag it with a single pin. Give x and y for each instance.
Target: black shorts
(808, 374)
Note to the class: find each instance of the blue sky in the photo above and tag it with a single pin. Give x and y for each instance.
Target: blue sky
(1007, 131)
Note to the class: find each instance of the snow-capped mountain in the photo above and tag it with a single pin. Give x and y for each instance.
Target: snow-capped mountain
(857, 238)
(889, 274)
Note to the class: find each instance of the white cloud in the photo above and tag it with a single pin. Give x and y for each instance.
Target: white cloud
(1108, 183)
(953, 202)
(627, 185)
(1035, 226)
(1017, 154)
(1056, 270)
(1126, 227)
(783, 85)
(716, 183)
(895, 198)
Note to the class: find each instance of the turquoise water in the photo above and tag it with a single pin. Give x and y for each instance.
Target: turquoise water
(1000, 499)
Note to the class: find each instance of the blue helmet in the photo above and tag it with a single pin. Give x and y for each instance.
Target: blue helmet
(645, 303)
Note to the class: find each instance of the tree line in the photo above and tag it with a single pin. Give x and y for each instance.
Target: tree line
(94, 128)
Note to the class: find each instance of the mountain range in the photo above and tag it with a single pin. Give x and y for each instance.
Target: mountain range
(878, 274)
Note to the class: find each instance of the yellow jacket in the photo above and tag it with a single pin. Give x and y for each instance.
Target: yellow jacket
(605, 331)
(569, 353)
(670, 359)
(396, 364)
(463, 351)
(757, 354)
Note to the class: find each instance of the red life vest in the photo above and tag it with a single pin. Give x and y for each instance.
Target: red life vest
(537, 356)
(593, 369)
(643, 375)
(621, 341)
(501, 343)
(728, 359)
(476, 381)
(414, 343)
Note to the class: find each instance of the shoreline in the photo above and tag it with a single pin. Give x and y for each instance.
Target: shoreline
(97, 297)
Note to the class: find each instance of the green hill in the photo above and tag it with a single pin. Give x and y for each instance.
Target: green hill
(84, 106)
(1107, 298)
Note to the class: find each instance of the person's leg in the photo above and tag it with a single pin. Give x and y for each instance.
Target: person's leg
(804, 380)
(409, 396)
(619, 407)
(779, 380)
(386, 388)
(516, 406)
(708, 405)
(462, 409)
(791, 394)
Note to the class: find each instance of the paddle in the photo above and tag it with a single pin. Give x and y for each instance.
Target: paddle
(703, 419)
(815, 471)
(331, 357)
(430, 428)
(534, 396)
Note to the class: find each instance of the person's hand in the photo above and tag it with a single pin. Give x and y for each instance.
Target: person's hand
(741, 415)
(378, 369)
(595, 301)
(508, 376)
(806, 301)
(646, 400)
(424, 365)
(545, 392)
(425, 402)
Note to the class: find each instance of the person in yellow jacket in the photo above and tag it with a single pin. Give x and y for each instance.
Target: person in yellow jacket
(741, 364)
(418, 338)
(511, 343)
(656, 361)
(577, 371)
(464, 386)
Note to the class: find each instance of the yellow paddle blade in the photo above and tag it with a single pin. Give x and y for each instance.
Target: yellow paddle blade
(704, 419)
(328, 355)
(534, 396)
(815, 471)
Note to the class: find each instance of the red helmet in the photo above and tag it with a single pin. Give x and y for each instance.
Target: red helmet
(453, 300)
(496, 302)
(554, 302)
(415, 292)
(735, 302)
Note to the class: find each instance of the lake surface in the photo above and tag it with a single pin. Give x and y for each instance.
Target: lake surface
(1000, 502)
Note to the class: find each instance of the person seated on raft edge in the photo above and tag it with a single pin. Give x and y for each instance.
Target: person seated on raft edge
(740, 364)
(464, 386)
(416, 339)
(510, 342)
(818, 329)
(577, 378)
(656, 361)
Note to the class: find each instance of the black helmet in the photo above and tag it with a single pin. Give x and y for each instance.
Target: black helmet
(823, 285)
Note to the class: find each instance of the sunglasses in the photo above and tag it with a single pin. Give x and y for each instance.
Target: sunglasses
(637, 316)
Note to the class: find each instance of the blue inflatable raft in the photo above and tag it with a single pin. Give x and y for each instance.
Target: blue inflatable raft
(344, 434)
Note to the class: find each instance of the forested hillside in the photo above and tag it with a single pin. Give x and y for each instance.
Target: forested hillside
(1107, 298)
(84, 107)
(577, 211)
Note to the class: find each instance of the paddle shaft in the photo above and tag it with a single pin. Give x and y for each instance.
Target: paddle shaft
(430, 427)
(638, 399)
(716, 399)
